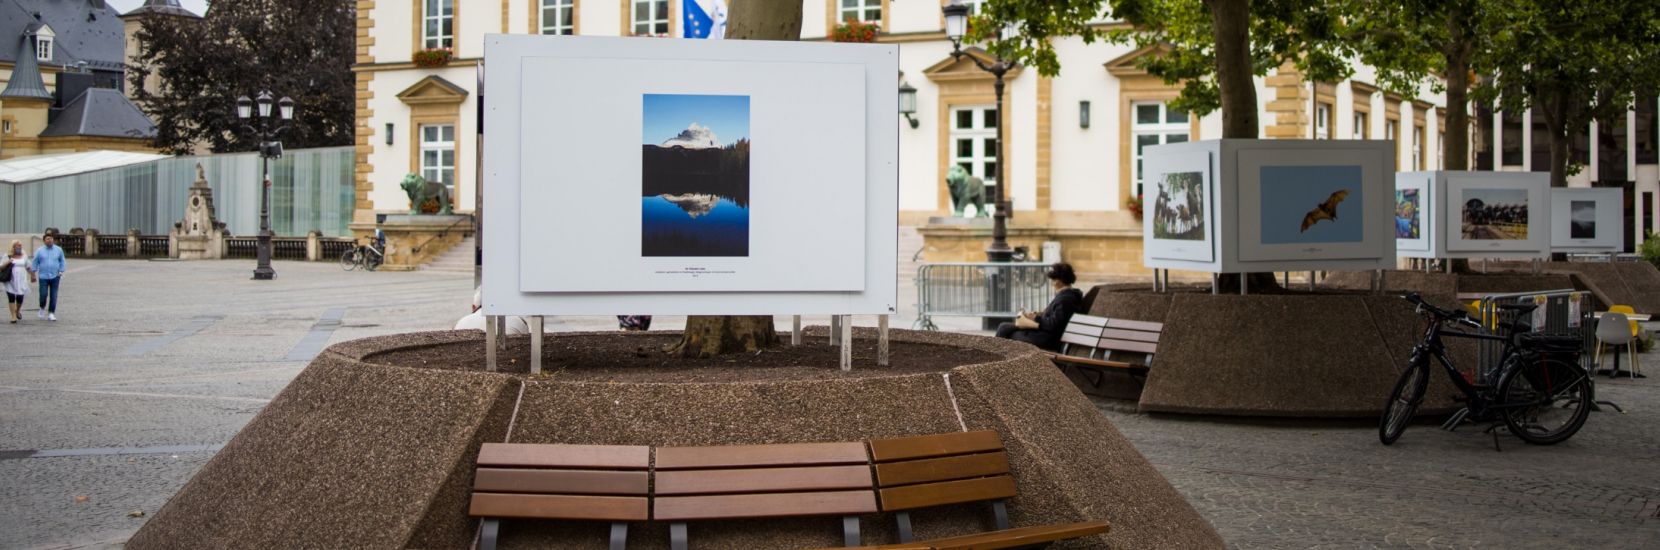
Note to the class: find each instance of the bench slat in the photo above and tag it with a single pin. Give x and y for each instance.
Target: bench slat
(949, 492)
(1096, 362)
(499, 505)
(768, 505)
(763, 480)
(929, 446)
(1088, 320)
(1126, 345)
(1084, 330)
(1134, 335)
(941, 469)
(1014, 538)
(1135, 325)
(569, 482)
(624, 457)
(1089, 340)
(751, 456)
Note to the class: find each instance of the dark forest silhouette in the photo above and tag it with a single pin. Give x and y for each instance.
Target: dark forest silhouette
(723, 172)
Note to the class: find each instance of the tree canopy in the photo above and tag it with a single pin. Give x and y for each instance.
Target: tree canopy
(302, 49)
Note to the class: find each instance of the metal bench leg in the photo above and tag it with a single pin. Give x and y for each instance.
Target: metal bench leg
(677, 535)
(904, 526)
(1002, 514)
(619, 535)
(850, 531)
(487, 538)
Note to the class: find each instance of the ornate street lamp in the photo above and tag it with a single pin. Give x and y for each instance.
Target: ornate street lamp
(956, 25)
(269, 148)
(907, 103)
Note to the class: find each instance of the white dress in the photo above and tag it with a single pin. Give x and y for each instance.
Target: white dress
(19, 284)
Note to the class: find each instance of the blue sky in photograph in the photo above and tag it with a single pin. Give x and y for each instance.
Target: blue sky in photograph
(666, 115)
(1290, 192)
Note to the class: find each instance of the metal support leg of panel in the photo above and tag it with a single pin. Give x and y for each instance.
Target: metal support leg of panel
(490, 336)
(882, 340)
(536, 345)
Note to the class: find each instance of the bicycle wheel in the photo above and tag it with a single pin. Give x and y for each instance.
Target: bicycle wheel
(1558, 398)
(1403, 402)
(371, 261)
(350, 258)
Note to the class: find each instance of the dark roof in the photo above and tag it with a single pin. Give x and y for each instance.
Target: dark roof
(161, 7)
(25, 80)
(87, 30)
(101, 112)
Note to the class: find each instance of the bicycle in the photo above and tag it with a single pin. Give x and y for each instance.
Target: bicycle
(1543, 396)
(361, 255)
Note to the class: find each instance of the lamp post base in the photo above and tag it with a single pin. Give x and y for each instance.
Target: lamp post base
(264, 274)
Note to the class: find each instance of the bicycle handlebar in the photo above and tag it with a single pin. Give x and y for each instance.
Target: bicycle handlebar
(1459, 316)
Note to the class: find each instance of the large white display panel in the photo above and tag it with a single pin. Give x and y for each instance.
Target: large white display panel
(1476, 214)
(632, 176)
(1587, 220)
(1269, 205)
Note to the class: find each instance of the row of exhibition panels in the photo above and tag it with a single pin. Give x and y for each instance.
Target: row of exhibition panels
(1234, 206)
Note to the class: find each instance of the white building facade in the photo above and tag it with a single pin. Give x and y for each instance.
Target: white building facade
(1072, 141)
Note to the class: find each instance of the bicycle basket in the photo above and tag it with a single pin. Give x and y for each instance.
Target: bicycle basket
(1549, 343)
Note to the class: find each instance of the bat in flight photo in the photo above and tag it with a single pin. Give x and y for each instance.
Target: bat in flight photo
(1325, 211)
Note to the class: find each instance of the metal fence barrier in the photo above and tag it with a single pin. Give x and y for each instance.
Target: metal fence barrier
(1565, 311)
(986, 289)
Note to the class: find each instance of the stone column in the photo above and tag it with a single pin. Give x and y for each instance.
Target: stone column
(313, 248)
(90, 240)
(132, 243)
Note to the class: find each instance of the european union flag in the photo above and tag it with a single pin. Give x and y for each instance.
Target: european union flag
(704, 18)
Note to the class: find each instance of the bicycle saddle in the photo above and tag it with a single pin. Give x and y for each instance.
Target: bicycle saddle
(1520, 309)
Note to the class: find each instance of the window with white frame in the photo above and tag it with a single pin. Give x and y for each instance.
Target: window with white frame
(43, 48)
(651, 17)
(438, 154)
(1362, 131)
(974, 140)
(869, 11)
(1417, 147)
(974, 6)
(1322, 121)
(439, 28)
(1154, 124)
(558, 17)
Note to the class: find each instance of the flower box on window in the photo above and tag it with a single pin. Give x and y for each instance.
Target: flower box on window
(853, 30)
(432, 57)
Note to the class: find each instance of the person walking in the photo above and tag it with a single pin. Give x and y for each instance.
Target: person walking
(48, 270)
(17, 265)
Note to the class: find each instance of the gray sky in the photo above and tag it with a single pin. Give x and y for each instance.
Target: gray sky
(124, 6)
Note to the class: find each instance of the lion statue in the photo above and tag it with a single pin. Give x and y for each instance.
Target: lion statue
(966, 190)
(419, 190)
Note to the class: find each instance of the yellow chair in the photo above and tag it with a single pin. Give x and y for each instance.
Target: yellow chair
(1628, 313)
(1636, 329)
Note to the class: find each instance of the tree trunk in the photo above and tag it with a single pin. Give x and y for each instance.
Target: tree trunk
(1556, 121)
(706, 335)
(1457, 52)
(763, 20)
(1231, 21)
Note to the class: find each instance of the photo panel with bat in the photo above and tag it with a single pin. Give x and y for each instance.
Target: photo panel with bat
(1494, 214)
(1312, 204)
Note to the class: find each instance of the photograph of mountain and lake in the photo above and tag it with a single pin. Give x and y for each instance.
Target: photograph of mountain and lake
(695, 175)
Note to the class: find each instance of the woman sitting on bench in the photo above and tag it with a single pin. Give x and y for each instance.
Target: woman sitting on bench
(1043, 328)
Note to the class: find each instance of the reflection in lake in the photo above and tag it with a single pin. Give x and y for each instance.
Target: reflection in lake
(693, 224)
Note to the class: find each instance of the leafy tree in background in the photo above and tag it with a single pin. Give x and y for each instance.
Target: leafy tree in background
(303, 49)
(1571, 61)
(1418, 43)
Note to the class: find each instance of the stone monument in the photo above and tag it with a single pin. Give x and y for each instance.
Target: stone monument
(200, 236)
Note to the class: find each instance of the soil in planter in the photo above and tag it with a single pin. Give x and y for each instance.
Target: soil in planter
(637, 357)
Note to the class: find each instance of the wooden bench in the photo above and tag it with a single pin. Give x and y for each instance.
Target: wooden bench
(935, 470)
(585, 482)
(1100, 335)
(757, 481)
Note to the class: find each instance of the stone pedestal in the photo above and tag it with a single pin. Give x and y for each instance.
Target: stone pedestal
(200, 235)
(415, 240)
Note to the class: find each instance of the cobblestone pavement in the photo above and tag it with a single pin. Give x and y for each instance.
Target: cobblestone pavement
(152, 364)
(1331, 484)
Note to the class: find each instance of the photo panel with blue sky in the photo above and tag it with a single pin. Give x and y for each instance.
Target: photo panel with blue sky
(694, 175)
(1312, 204)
